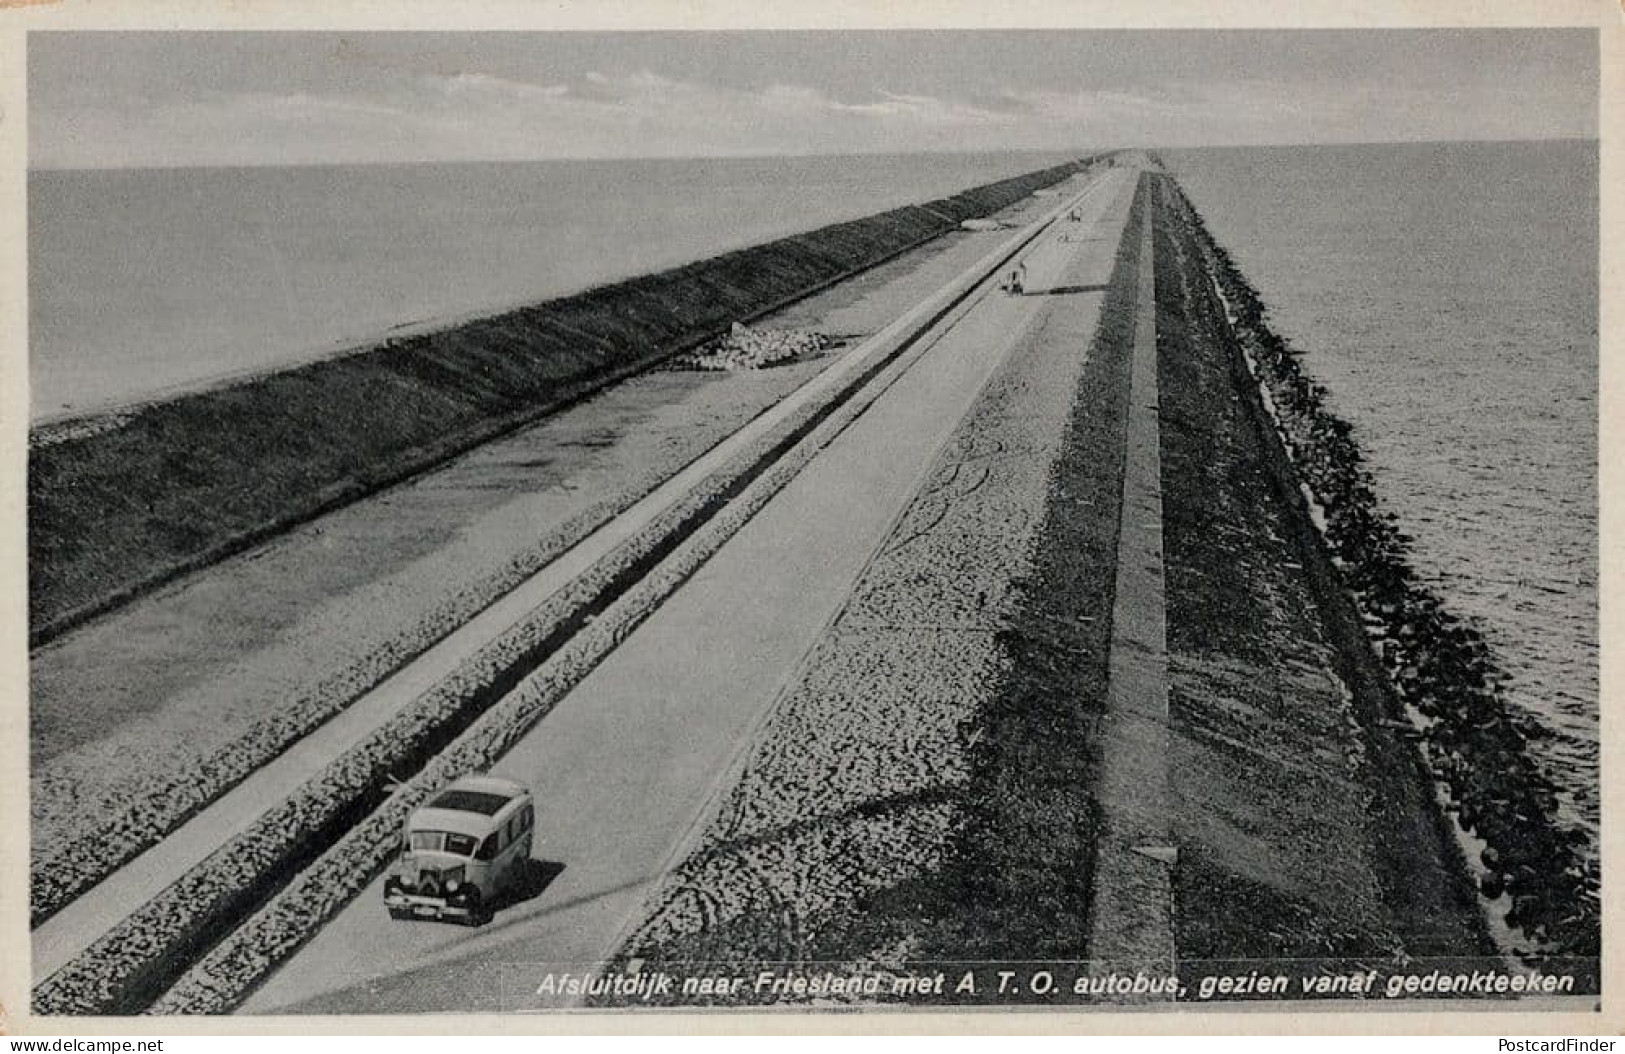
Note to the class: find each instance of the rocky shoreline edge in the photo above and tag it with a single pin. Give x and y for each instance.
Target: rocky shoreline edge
(1533, 873)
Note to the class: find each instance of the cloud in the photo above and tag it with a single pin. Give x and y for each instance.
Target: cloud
(471, 115)
(485, 86)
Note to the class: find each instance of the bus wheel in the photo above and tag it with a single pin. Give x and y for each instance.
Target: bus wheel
(479, 913)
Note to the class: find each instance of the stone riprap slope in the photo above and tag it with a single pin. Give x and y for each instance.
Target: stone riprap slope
(901, 802)
(1535, 873)
(1305, 828)
(171, 486)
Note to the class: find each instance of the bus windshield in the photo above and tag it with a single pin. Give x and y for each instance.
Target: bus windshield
(441, 842)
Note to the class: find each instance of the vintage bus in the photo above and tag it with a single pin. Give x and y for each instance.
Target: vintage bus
(463, 850)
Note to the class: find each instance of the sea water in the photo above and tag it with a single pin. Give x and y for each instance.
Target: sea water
(1446, 295)
(144, 282)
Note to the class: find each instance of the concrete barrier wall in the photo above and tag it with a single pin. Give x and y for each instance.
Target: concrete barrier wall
(140, 497)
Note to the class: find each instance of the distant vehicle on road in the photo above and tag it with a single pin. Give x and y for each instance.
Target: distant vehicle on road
(1016, 283)
(465, 848)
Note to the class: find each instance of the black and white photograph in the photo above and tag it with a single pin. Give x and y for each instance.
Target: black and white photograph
(717, 519)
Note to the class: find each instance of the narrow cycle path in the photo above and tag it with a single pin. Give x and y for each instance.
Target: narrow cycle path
(1132, 913)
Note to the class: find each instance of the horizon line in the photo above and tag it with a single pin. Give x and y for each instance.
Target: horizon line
(1075, 152)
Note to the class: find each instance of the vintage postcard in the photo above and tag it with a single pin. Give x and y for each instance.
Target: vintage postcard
(1081, 517)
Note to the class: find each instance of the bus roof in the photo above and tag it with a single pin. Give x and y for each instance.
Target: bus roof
(467, 805)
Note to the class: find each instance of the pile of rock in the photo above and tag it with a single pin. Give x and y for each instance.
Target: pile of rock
(754, 349)
(78, 428)
(1531, 865)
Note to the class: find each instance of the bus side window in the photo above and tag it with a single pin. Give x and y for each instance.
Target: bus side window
(527, 817)
(490, 847)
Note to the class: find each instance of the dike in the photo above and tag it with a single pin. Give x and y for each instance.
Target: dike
(123, 502)
(1495, 811)
(311, 853)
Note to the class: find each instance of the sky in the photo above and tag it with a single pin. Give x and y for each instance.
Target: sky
(114, 100)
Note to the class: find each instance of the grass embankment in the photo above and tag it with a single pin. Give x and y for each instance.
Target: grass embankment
(1020, 870)
(133, 499)
(1533, 870)
(1305, 824)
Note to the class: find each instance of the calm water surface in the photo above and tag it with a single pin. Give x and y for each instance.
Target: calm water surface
(1446, 294)
(143, 281)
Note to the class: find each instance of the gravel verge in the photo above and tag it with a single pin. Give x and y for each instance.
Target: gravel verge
(921, 789)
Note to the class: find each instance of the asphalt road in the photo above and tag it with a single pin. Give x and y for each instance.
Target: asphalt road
(629, 764)
(184, 672)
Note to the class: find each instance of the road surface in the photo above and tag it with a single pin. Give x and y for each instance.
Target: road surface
(631, 761)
